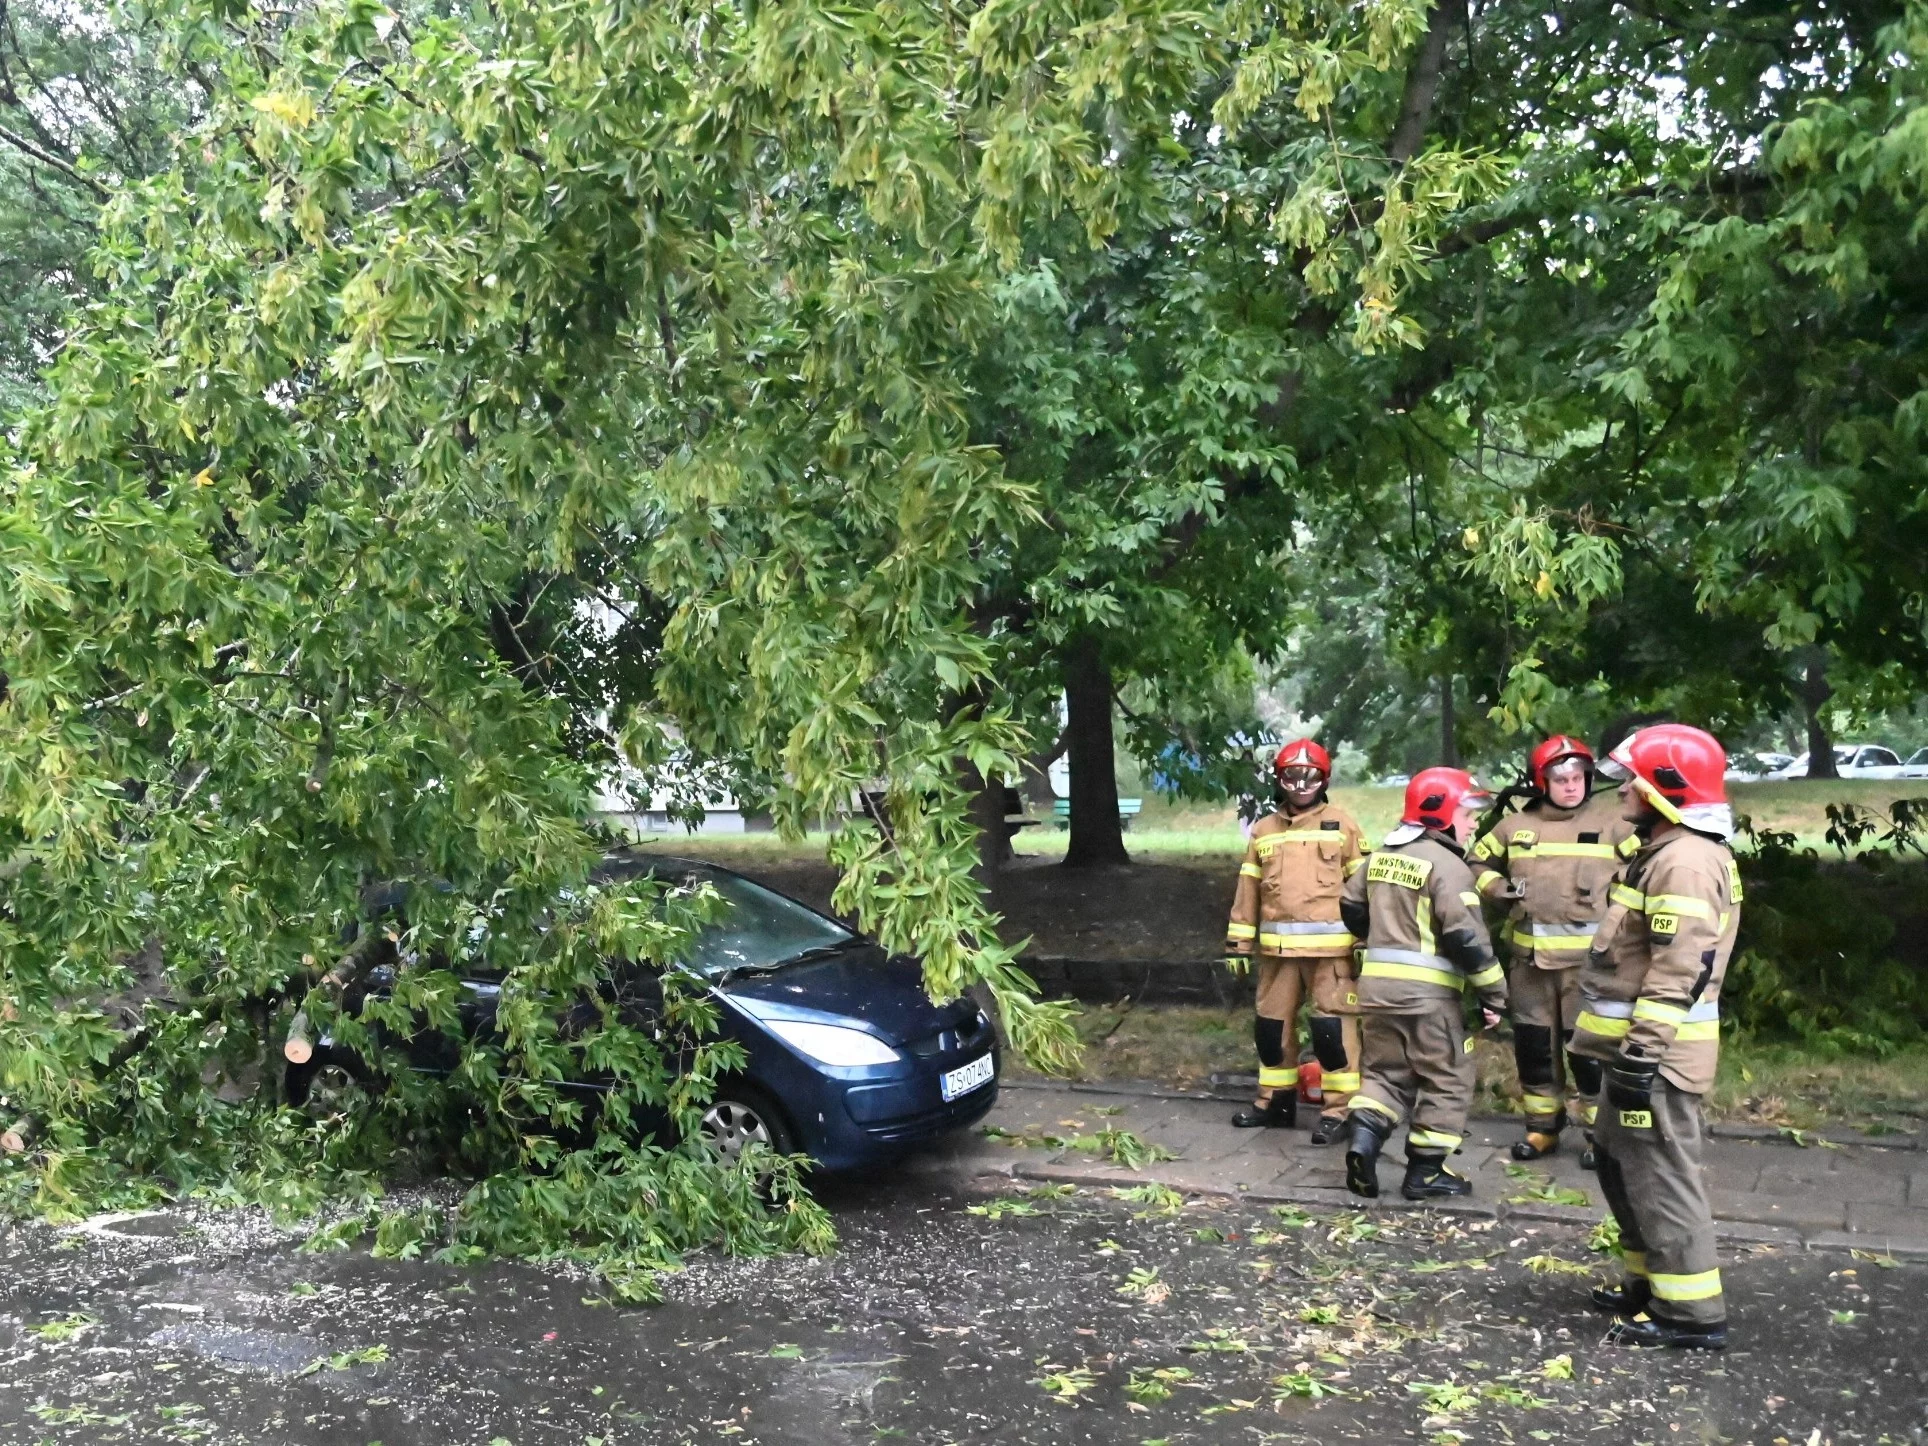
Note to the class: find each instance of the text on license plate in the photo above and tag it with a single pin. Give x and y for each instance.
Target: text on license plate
(965, 1078)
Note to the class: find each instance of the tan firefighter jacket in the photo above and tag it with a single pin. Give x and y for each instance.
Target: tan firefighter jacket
(1651, 986)
(1565, 859)
(1287, 904)
(1426, 943)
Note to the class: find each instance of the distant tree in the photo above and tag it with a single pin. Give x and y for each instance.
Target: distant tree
(88, 102)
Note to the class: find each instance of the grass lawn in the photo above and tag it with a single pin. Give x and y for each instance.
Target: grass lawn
(1773, 1084)
(1179, 831)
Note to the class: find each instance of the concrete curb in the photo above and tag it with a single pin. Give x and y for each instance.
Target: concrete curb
(1732, 1232)
(1236, 1089)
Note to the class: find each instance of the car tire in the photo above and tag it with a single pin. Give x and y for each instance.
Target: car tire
(325, 1086)
(740, 1113)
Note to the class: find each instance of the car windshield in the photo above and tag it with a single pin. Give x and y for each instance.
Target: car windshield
(1920, 755)
(760, 930)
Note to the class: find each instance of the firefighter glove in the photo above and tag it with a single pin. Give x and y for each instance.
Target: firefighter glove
(1630, 1082)
(1238, 963)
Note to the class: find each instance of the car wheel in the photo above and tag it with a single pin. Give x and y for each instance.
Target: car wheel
(325, 1089)
(739, 1116)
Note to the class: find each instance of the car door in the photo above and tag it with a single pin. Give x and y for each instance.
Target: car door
(1873, 762)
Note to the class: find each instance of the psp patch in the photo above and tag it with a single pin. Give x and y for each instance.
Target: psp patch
(1637, 1119)
(1666, 925)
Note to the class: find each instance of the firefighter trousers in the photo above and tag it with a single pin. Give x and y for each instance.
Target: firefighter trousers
(1419, 1068)
(1284, 983)
(1649, 1162)
(1544, 1004)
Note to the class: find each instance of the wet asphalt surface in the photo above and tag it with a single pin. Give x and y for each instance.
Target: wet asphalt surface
(945, 1317)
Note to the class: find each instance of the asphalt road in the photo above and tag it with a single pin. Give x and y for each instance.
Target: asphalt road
(945, 1317)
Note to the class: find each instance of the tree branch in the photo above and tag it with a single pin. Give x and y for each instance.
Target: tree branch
(48, 158)
(1422, 83)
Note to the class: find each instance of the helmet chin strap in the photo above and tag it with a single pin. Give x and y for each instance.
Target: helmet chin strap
(1657, 800)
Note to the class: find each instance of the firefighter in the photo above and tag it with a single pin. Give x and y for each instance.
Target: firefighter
(1554, 861)
(1286, 911)
(1426, 943)
(1650, 1011)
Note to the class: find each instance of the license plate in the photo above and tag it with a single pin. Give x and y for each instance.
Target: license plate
(965, 1078)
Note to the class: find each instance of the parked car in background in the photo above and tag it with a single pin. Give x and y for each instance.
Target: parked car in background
(1851, 760)
(1915, 765)
(848, 1061)
(1751, 767)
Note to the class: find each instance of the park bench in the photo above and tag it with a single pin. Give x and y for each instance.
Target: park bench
(1128, 809)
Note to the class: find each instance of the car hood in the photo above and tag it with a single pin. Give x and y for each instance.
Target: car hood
(885, 993)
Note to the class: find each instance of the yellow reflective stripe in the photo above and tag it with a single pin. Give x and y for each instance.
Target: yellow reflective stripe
(1344, 1081)
(1699, 1029)
(1660, 1013)
(1354, 865)
(1367, 1102)
(1487, 847)
(1250, 871)
(1241, 931)
(1321, 943)
(1575, 851)
(1469, 899)
(1635, 1262)
(1419, 973)
(1433, 1140)
(1589, 1113)
(1631, 897)
(1628, 846)
(1487, 878)
(1278, 1079)
(1679, 904)
(1424, 919)
(1702, 1286)
(1540, 1104)
(1591, 1023)
(1270, 841)
(1552, 941)
(1491, 974)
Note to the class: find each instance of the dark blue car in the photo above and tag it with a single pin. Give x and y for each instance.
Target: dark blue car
(848, 1061)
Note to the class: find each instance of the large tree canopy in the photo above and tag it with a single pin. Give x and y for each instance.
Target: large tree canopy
(475, 400)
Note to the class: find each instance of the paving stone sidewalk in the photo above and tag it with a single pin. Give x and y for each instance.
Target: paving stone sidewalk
(1765, 1191)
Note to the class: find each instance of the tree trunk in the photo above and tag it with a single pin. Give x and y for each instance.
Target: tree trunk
(1814, 694)
(1096, 836)
(1448, 724)
(987, 814)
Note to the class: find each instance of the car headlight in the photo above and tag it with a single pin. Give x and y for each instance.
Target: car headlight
(832, 1044)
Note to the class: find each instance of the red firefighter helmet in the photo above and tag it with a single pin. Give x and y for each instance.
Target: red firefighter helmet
(1303, 753)
(1681, 771)
(1556, 748)
(1435, 794)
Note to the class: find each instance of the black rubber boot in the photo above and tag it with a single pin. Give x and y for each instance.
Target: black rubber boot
(1657, 1331)
(1280, 1113)
(1362, 1153)
(1630, 1297)
(1331, 1128)
(1427, 1178)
